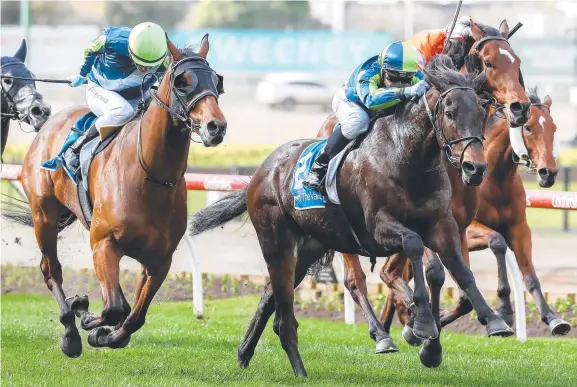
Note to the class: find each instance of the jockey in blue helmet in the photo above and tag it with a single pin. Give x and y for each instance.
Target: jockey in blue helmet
(380, 83)
(115, 66)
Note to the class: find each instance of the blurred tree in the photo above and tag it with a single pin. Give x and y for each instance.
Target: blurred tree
(131, 13)
(269, 15)
(10, 12)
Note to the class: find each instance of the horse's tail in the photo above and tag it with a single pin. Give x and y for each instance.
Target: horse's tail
(219, 213)
(21, 214)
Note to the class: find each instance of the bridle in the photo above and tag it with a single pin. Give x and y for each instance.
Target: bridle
(12, 112)
(180, 114)
(446, 144)
(473, 64)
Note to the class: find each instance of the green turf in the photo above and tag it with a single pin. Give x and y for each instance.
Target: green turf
(174, 349)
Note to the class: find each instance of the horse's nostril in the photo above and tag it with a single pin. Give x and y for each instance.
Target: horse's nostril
(36, 111)
(516, 107)
(212, 127)
(468, 167)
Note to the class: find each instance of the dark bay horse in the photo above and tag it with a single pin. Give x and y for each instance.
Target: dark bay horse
(501, 220)
(20, 99)
(395, 196)
(139, 202)
(487, 50)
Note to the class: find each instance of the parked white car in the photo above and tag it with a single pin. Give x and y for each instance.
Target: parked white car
(286, 90)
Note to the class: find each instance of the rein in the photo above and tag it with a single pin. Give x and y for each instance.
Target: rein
(185, 107)
(446, 144)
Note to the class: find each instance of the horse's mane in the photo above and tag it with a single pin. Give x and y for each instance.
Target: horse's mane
(442, 74)
(533, 94)
(457, 49)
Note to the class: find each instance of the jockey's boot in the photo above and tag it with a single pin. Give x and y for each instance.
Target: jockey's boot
(335, 143)
(72, 155)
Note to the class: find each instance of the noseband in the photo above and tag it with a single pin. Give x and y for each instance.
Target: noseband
(446, 144)
(181, 96)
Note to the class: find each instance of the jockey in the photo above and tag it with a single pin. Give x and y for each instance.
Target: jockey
(380, 83)
(115, 65)
(431, 42)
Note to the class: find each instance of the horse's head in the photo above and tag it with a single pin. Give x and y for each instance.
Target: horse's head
(20, 97)
(536, 144)
(490, 52)
(457, 117)
(194, 90)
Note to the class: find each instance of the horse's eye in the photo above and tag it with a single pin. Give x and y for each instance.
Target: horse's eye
(488, 63)
(527, 129)
(449, 115)
(180, 81)
(7, 81)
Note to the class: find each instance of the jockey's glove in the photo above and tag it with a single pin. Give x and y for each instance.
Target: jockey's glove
(417, 90)
(76, 80)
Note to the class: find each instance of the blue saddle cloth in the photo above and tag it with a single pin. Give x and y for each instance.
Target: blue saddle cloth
(80, 126)
(304, 197)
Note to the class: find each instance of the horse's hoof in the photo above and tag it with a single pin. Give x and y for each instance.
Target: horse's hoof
(559, 327)
(410, 337)
(386, 345)
(507, 316)
(426, 329)
(430, 360)
(71, 345)
(97, 337)
(120, 345)
(79, 304)
(498, 327)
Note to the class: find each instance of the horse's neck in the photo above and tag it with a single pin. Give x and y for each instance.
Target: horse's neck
(411, 139)
(499, 152)
(164, 147)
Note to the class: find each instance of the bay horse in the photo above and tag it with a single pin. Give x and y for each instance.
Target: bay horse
(501, 220)
(140, 202)
(20, 99)
(395, 196)
(484, 48)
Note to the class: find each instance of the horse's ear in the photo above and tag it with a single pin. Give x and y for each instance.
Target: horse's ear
(476, 31)
(21, 53)
(504, 29)
(548, 101)
(204, 46)
(175, 53)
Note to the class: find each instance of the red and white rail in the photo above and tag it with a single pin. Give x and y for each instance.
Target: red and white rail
(558, 200)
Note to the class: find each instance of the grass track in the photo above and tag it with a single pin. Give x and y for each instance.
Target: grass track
(174, 349)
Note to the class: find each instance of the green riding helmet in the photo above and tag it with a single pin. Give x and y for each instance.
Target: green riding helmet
(398, 62)
(147, 44)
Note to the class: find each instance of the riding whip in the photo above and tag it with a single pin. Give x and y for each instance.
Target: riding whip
(452, 25)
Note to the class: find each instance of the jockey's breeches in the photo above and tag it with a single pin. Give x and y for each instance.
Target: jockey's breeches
(110, 107)
(353, 118)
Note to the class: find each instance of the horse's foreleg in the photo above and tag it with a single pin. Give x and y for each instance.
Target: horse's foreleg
(394, 274)
(480, 237)
(519, 239)
(145, 292)
(445, 240)
(355, 282)
(46, 229)
(431, 354)
(463, 306)
(106, 257)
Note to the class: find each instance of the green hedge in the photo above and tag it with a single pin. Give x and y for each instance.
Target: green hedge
(199, 156)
